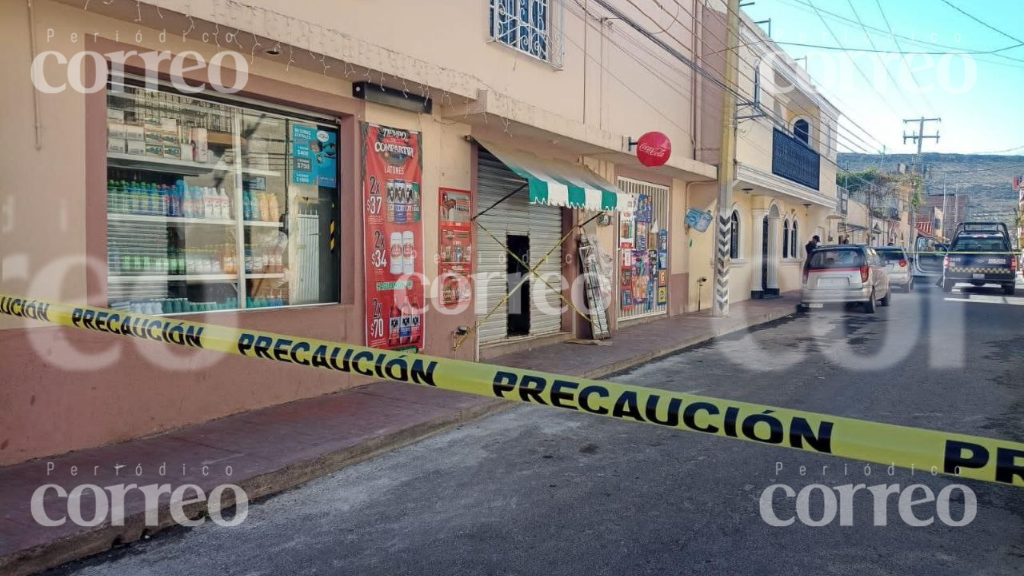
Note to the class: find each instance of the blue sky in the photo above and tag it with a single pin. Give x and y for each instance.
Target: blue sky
(989, 116)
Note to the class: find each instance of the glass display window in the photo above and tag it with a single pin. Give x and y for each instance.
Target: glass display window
(216, 205)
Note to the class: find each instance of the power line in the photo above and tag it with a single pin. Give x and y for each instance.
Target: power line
(855, 64)
(801, 5)
(901, 53)
(779, 121)
(687, 61)
(979, 21)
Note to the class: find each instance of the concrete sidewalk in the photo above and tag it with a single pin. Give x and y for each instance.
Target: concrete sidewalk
(274, 449)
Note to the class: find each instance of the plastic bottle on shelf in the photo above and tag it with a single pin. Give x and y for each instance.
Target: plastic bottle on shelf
(254, 207)
(111, 196)
(264, 207)
(152, 199)
(132, 198)
(209, 203)
(164, 196)
(228, 258)
(198, 204)
(275, 208)
(246, 205)
(225, 204)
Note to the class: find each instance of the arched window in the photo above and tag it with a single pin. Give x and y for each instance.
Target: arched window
(794, 241)
(734, 236)
(802, 131)
(785, 239)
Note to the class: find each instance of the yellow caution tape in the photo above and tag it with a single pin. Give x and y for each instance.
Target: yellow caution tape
(965, 456)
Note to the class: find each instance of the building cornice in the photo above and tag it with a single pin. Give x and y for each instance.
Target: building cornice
(773, 183)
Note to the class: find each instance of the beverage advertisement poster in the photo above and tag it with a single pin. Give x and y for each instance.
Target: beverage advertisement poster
(455, 246)
(393, 241)
(314, 156)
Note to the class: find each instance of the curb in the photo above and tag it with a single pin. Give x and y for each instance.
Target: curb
(103, 538)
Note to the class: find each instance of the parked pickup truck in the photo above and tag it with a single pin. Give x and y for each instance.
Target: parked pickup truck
(980, 254)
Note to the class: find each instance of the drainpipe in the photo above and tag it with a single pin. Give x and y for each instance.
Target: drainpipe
(35, 93)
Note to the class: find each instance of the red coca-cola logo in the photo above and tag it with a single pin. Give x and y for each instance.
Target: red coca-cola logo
(653, 149)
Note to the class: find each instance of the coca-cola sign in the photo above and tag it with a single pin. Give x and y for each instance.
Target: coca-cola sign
(653, 149)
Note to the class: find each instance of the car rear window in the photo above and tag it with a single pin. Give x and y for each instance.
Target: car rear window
(992, 244)
(891, 254)
(836, 258)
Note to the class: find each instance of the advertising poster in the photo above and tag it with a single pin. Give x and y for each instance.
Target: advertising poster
(455, 246)
(393, 242)
(314, 156)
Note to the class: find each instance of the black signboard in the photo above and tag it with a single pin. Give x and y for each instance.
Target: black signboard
(793, 160)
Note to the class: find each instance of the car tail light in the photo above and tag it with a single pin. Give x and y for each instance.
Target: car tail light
(1013, 264)
(864, 270)
(903, 263)
(945, 262)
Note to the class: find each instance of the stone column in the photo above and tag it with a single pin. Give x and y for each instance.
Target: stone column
(774, 253)
(756, 247)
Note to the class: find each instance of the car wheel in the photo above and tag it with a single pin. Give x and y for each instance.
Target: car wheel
(1009, 290)
(947, 285)
(869, 306)
(887, 299)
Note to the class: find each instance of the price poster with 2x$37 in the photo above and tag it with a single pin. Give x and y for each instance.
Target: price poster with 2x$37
(393, 241)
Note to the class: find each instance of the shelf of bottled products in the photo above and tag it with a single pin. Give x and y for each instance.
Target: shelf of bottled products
(197, 207)
(183, 220)
(175, 166)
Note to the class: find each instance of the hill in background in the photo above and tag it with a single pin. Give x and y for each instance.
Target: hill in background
(986, 179)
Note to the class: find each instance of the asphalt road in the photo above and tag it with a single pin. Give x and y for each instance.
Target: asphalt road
(539, 491)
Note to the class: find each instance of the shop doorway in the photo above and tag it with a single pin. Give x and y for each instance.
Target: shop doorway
(515, 271)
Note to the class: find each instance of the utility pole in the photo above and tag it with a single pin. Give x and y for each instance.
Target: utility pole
(945, 226)
(726, 158)
(919, 138)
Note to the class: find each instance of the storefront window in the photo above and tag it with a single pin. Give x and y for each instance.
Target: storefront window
(643, 251)
(215, 206)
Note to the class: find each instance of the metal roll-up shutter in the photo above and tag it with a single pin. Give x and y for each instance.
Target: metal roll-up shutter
(514, 216)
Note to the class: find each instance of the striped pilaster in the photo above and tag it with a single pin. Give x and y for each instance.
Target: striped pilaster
(722, 239)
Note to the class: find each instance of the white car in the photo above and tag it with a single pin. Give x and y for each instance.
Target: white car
(897, 267)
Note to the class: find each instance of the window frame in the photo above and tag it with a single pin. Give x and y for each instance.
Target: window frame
(552, 34)
(794, 241)
(785, 239)
(734, 235)
(282, 112)
(810, 131)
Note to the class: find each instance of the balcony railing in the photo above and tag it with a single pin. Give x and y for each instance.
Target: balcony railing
(793, 160)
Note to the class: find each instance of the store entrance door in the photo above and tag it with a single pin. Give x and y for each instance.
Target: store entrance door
(518, 303)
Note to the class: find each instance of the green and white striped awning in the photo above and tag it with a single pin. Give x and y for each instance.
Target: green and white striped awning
(555, 182)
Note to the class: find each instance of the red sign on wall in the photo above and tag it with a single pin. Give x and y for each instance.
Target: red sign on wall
(393, 241)
(455, 246)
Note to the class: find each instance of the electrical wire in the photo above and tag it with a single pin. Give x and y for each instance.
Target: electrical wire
(753, 143)
(855, 64)
(781, 122)
(802, 5)
(979, 21)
